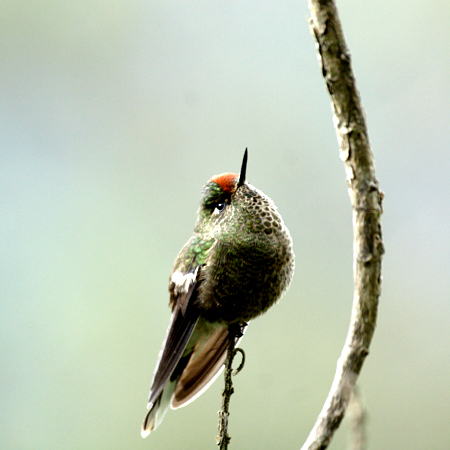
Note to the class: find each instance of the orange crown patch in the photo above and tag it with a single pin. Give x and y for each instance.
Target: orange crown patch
(227, 181)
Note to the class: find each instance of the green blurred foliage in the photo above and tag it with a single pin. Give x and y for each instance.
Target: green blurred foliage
(113, 116)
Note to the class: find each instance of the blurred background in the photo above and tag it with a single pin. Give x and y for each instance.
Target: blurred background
(112, 117)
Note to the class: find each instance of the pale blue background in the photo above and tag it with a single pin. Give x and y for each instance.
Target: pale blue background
(112, 117)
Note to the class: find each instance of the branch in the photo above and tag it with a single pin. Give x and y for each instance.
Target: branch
(366, 199)
(224, 439)
(235, 333)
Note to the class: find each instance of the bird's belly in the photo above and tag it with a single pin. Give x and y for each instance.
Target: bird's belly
(238, 289)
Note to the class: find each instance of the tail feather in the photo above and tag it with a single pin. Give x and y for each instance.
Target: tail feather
(187, 368)
(158, 409)
(163, 384)
(204, 366)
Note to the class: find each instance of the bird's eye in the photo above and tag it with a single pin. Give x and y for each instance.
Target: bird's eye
(220, 207)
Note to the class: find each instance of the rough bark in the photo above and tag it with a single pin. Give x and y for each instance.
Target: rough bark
(366, 199)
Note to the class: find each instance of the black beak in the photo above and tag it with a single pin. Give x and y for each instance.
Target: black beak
(243, 169)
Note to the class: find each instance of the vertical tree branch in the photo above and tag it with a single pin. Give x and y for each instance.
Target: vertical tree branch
(235, 334)
(224, 439)
(366, 199)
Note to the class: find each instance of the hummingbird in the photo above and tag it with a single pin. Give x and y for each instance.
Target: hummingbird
(237, 264)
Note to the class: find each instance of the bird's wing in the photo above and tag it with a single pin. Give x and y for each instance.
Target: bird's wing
(205, 364)
(184, 318)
